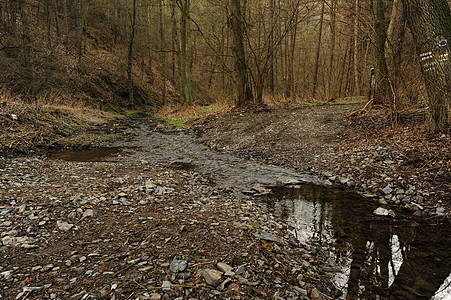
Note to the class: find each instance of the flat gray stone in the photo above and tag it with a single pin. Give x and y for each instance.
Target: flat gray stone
(212, 277)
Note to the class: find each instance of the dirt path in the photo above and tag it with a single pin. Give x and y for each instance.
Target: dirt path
(399, 169)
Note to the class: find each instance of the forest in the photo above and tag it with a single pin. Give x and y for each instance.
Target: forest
(238, 52)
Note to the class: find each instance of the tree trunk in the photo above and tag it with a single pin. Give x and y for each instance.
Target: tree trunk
(331, 83)
(26, 36)
(185, 53)
(79, 25)
(382, 92)
(174, 39)
(291, 76)
(430, 24)
(237, 21)
(115, 21)
(395, 36)
(66, 24)
(271, 47)
(130, 54)
(318, 50)
(12, 16)
(356, 48)
(57, 26)
(163, 53)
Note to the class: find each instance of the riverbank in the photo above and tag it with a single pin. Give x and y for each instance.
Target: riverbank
(45, 125)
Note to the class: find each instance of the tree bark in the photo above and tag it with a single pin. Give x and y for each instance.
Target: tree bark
(66, 24)
(291, 76)
(57, 26)
(331, 83)
(115, 21)
(79, 25)
(185, 53)
(430, 24)
(382, 91)
(26, 36)
(174, 40)
(395, 36)
(271, 47)
(237, 20)
(130, 55)
(356, 48)
(318, 50)
(163, 53)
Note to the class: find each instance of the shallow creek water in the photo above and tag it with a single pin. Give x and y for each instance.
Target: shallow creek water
(369, 256)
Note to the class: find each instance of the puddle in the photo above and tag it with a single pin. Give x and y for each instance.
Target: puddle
(374, 258)
(102, 154)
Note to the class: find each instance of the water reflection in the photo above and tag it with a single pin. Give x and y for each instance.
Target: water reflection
(375, 258)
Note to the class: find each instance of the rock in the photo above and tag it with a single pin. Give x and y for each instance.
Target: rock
(315, 295)
(223, 285)
(225, 268)
(7, 275)
(178, 266)
(381, 211)
(387, 190)
(239, 270)
(64, 225)
(155, 297)
(212, 277)
(267, 237)
(301, 291)
(166, 286)
(440, 211)
(89, 213)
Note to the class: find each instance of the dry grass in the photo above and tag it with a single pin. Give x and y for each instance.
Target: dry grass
(183, 115)
(45, 122)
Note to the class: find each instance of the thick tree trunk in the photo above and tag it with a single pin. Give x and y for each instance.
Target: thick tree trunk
(244, 95)
(430, 24)
(382, 90)
(26, 36)
(318, 51)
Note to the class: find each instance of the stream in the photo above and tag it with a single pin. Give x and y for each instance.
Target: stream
(368, 255)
